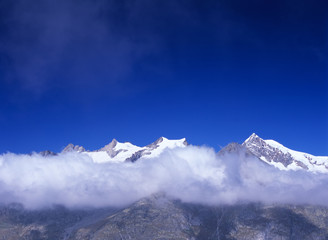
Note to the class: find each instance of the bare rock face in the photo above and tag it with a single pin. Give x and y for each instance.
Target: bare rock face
(185, 142)
(137, 155)
(155, 144)
(71, 147)
(160, 217)
(153, 218)
(47, 153)
(235, 148)
(109, 148)
(260, 148)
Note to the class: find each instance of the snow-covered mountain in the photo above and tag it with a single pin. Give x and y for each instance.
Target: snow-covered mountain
(269, 151)
(284, 158)
(119, 152)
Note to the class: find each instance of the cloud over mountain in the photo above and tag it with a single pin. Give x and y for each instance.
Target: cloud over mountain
(192, 174)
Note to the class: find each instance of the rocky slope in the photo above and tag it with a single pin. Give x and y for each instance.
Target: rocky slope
(284, 158)
(160, 217)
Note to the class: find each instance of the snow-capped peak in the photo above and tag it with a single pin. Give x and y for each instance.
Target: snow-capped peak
(284, 158)
(251, 137)
(157, 147)
(119, 152)
(109, 146)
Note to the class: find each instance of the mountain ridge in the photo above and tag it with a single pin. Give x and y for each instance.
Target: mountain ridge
(120, 152)
(268, 151)
(281, 157)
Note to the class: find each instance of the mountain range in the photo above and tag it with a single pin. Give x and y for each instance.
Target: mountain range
(268, 151)
(162, 217)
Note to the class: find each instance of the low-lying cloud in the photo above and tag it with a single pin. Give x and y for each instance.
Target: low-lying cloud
(191, 174)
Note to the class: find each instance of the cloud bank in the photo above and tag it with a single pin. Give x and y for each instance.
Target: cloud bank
(191, 174)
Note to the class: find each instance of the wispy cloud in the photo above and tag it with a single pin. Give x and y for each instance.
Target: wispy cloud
(69, 44)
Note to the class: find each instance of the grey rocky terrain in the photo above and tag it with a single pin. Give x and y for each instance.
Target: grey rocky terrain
(259, 148)
(71, 147)
(160, 217)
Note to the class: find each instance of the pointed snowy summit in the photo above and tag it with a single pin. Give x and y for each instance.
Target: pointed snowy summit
(109, 146)
(284, 158)
(252, 137)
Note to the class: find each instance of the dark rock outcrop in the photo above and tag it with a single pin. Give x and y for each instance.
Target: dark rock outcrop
(260, 148)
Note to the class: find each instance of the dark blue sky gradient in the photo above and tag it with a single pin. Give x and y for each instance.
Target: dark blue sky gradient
(211, 71)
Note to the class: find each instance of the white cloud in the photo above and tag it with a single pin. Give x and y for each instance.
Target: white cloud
(192, 174)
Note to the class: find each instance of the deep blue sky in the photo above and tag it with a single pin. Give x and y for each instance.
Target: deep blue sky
(211, 71)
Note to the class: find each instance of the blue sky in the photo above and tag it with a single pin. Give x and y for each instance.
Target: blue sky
(211, 71)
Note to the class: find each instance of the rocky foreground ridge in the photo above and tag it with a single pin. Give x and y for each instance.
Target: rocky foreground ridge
(159, 217)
